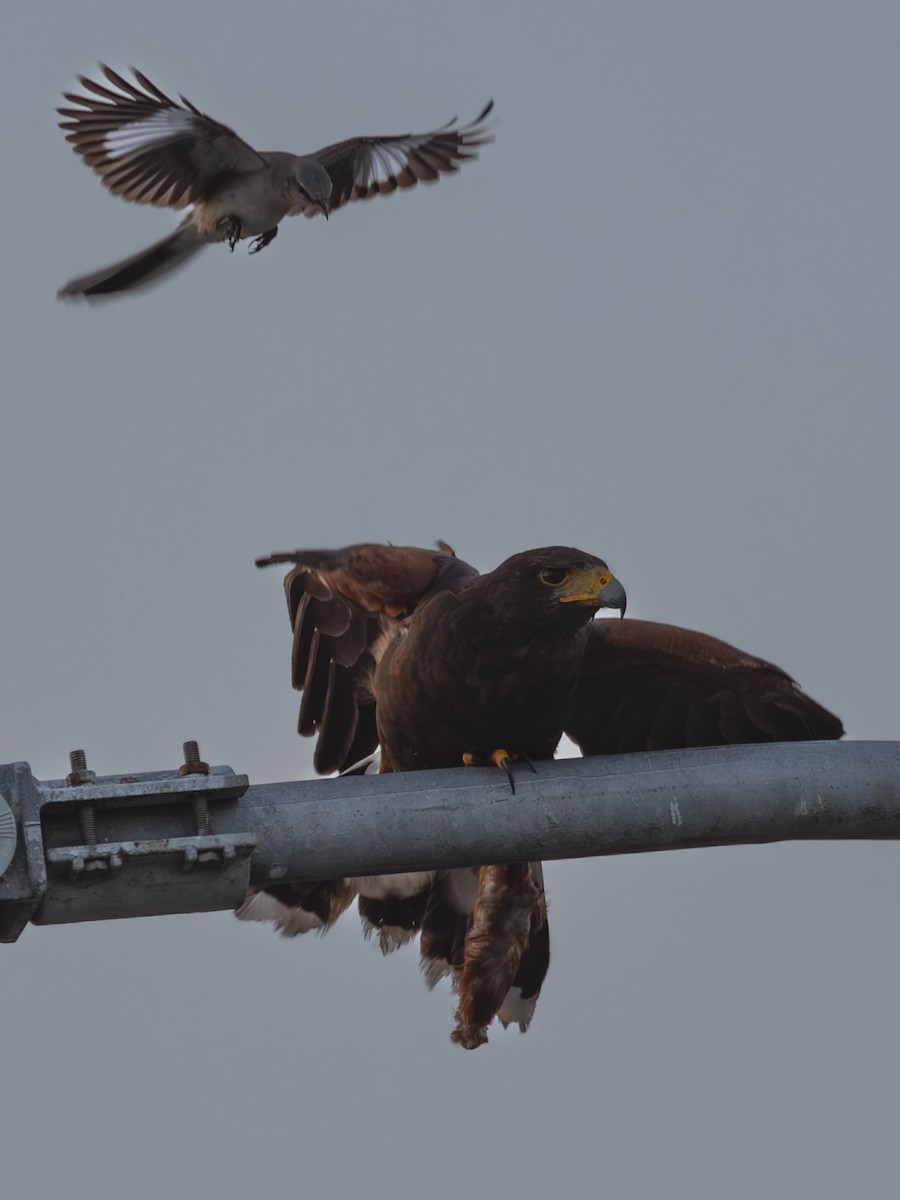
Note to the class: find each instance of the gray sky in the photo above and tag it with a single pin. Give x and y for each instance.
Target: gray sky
(657, 320)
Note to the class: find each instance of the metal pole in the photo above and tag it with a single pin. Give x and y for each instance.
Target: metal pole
(574, 808)
(149, 852)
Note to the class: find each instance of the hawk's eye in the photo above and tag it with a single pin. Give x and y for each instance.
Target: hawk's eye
(554, 576)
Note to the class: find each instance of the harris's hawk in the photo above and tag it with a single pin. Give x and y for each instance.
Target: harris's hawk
(415, 652)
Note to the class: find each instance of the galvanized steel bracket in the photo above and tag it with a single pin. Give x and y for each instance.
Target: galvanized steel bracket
(119, 846)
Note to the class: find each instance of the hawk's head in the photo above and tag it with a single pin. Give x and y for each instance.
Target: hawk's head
(557, 584)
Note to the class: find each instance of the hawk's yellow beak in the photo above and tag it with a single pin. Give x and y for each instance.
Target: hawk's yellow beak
(595, 586)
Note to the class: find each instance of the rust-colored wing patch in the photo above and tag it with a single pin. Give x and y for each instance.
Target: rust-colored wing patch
(344, 606)
(647, 686)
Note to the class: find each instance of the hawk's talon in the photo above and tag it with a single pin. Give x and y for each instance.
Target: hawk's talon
(499, 758)
(527, 761)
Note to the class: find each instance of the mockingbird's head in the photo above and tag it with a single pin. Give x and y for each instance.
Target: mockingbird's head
(313, 183)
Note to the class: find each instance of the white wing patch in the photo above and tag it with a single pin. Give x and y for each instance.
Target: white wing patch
(161, 127)
(390, 937)
(370, 765)
(386, 162)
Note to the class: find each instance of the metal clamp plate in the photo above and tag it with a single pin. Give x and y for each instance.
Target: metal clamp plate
(7, 835)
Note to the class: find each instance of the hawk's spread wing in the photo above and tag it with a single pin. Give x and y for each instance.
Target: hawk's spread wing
(646, 686)
(363, 167)
(345, 606)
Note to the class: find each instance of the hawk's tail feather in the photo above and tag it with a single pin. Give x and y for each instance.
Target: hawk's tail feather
(395, 922)
(389, 937)
(483, 927)
(393, 906)
(521, 999)
(434, 970)
(446, 922)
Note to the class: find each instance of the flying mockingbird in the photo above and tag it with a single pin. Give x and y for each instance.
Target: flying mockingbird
(147, 148)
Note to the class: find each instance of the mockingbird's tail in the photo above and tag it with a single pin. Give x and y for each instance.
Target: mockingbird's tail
(142, 268)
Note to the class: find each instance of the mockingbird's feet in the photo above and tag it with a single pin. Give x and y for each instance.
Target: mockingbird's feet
(264, 239)
(230, 228)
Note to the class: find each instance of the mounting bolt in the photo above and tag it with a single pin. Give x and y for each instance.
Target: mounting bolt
(201, 815)
(88, 824)
(193, 765)
(192, 762)
(78, 772)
